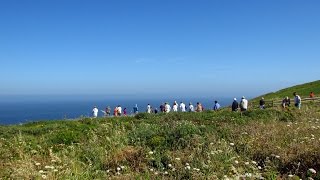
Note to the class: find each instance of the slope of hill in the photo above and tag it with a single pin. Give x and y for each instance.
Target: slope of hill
(303, 90)
(257, 144)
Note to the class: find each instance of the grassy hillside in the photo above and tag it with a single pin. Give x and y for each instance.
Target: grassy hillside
(303, 90)
(270, 144)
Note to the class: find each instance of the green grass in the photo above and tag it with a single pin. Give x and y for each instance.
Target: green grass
(208, 145)
(270, 144)
(303, 90)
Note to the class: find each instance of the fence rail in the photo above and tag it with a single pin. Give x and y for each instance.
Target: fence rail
(278, 102)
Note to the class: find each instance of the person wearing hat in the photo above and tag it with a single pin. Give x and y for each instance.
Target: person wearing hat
(243, 104)
(95, 112)
(235, 105)
(262, 103)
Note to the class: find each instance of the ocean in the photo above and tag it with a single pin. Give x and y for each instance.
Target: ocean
(17, 112)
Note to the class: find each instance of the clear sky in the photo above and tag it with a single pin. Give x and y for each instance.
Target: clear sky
(157, 47)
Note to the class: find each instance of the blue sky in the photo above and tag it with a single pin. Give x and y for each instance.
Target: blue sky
(157, 47)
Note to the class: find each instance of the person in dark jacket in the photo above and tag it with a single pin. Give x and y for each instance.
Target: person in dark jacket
(262, 103)
(162, 108)
(235, 105)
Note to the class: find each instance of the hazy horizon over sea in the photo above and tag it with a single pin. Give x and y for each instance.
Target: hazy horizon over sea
(28, 110)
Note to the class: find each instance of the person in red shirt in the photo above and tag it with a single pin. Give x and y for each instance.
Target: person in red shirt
(311, 95)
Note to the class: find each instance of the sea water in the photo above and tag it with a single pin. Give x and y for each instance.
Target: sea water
(17, 112)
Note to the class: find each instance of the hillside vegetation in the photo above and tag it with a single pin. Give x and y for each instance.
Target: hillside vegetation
(303, 90)
(259, 144)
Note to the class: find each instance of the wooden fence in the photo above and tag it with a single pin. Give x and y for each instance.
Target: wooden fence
(277, 102)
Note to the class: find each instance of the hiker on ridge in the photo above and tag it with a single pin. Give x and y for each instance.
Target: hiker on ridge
(235, 105)
(311, 95)
(199, 107)
(182, 107)
(285, 102)
(167, 107)
(243, 104)
(262, 103)
(216, 106)
(297, 100)
(191, 108)
(135, 109)
(95, 112)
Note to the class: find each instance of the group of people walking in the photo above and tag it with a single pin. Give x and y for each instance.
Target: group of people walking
(163, 108)
(297, 100)
(182, 107)
(243, 105)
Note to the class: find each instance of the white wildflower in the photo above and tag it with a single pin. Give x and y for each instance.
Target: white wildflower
(38, 164)
(277, 156)
(151, 152)
(211, 143)
(313, 171)
(55, 170)
(173, 169)
(151, 170)
(156, 173)
(259, 167)
(231, 144)
(44, 176)
(290, 175)
(166, 172)
(41, 171)
(118, 168)
(196, 169)
(178, 159)
(246, 163)
(187, 164)
(49, 167)
(122, 167)
(253, 162)
(188, 167)
(237, 162)
(169, 165)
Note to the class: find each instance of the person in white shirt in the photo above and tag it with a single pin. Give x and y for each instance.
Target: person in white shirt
(182, 107)
(95, 112)
(175, 107)
(191, 108)
(243, 104)
(149, 108)
(297, 100)
(119, 110)
(167, 107)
